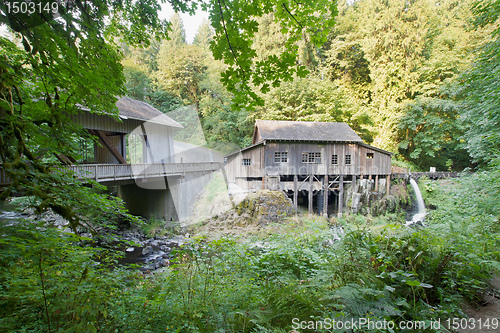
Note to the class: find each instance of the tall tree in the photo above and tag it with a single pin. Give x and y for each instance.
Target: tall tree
(204, 34)
(177, 34)
(181, 67)
(481, 115)
(430, 131)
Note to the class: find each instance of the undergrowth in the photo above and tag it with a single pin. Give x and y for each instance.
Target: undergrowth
(302, 271)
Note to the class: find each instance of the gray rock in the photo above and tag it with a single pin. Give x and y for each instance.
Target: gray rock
(130, 249)
(165, 248)
(147, 250)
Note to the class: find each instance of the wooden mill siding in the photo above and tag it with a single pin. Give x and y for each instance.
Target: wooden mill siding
(360, 164)
(311, 139)
(236, 169)
(380, 164)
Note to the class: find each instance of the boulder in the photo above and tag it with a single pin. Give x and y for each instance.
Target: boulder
(147, 250)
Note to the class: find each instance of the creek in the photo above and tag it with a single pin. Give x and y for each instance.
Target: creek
(149, 253)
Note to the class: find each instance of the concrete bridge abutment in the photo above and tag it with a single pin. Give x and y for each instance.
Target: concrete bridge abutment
(171, 198)
(149, 202)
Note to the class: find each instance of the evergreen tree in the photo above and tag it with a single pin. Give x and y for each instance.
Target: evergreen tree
(204, 34)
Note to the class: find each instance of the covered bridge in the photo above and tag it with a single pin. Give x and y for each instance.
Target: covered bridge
(148, 131)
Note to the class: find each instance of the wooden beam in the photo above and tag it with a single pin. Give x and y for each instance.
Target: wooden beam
(376, 183)
(341, 196)
(123, 140)
(295, 192)
(325, 196)
(63, 159)
(71, 159)
(104, 140)
(388, 185)
(311, 179)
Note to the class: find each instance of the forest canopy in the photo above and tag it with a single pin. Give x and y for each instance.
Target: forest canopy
(401, 73)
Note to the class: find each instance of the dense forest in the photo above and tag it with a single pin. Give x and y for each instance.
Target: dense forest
(420, 78)
(399, 73)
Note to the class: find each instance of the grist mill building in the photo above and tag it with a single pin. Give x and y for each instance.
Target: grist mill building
(310, 161)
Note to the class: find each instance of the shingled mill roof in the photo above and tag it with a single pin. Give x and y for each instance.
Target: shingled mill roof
(303, 131)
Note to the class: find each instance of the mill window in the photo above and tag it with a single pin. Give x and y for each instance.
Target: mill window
(281, 157)
(369, 155)
(245, 162)
(335, 159)
(347, 159)
(312, 157)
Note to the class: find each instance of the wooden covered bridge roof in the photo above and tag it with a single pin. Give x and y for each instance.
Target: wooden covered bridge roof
(133, 109)
(132, 112)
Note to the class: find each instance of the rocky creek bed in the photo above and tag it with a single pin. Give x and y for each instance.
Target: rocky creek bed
(149, 253)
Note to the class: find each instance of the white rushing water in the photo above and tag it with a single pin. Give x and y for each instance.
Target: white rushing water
(419, 216)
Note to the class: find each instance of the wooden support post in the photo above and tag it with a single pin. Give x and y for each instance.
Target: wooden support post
(361, 177)
(124, 145)
(341, 196)
(311, 179)
(388, 185)
(325, 196)
(295, 192)
(102, 137)
(376, 183)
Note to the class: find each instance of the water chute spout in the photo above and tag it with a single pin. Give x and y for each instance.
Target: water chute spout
(420, 215)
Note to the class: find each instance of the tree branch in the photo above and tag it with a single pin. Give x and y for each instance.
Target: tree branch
(227, 35)
(289, 13)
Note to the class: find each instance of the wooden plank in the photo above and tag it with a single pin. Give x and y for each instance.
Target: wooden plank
(107, 144)
(388, 185)
(311, 179)
(295, 192)
(376, 183)
(325, 196)
(124, 145)
(341, 196)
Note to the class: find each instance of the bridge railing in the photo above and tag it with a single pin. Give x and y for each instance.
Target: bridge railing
(110, 172)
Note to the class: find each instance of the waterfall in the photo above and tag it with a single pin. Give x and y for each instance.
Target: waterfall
(419, 216)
